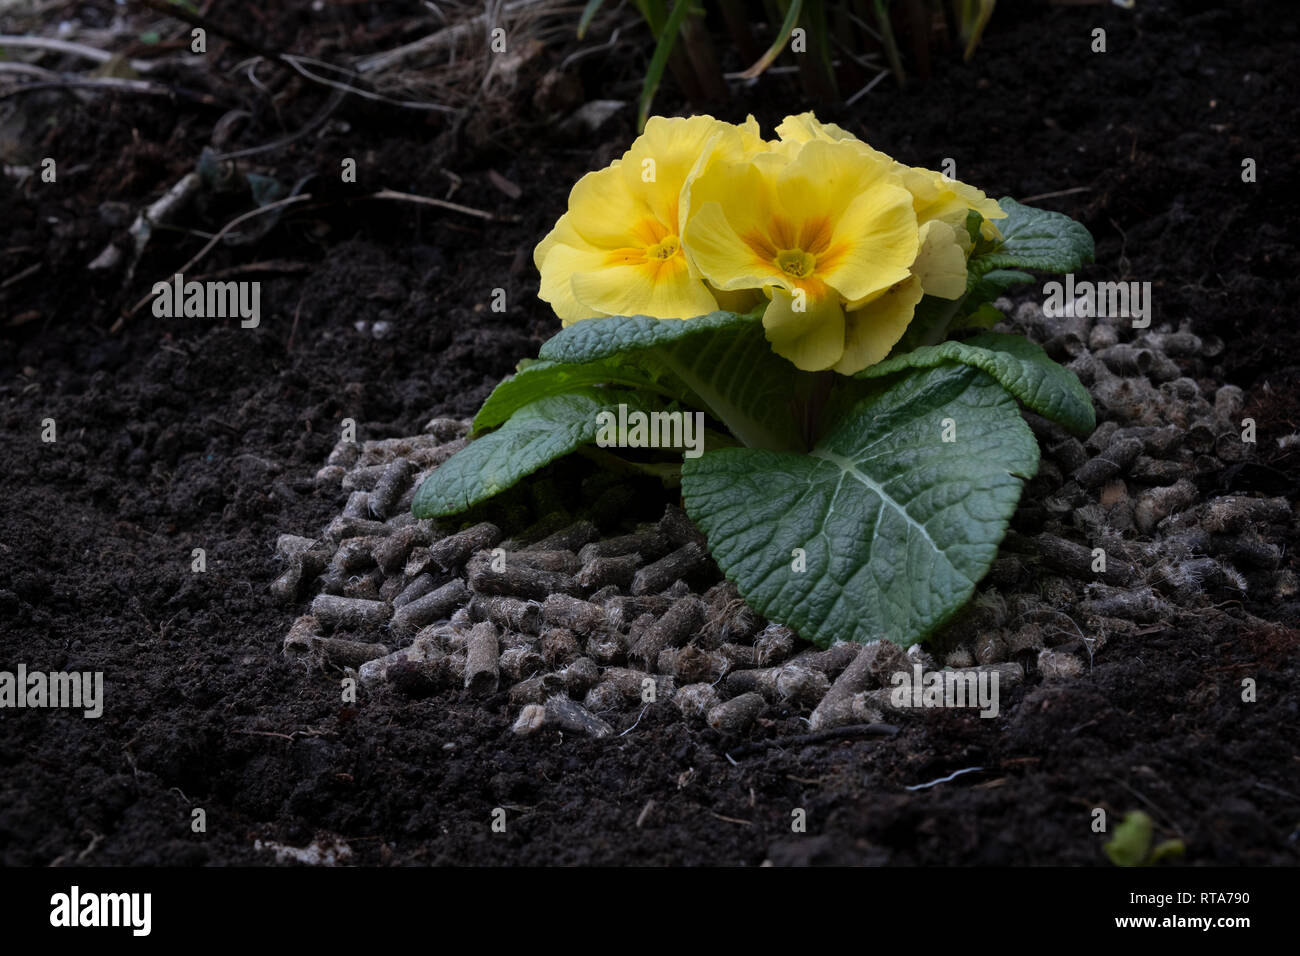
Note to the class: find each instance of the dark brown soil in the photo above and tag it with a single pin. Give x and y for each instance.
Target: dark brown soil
(176, 434)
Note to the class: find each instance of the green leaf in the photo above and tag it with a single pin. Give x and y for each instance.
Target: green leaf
(1131, 844)
(1036, 239)
(663, 49)
(722, 360)
(778, 44)
(1019, 365)
(534, 436)
(588, 14)
(540, 379)
(984, 287)
(897, 526)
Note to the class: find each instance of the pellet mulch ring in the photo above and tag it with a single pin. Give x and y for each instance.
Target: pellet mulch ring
(578, 620)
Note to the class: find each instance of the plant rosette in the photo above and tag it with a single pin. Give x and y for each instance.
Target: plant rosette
(797, 331)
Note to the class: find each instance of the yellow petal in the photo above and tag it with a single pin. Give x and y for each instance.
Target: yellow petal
(873, 242)
(660, 159)
(663, 289)
(806, 127)
(740, 302)
(726, 257)
(558, 269)
(609, 215)
(940, 263)
(813, 339)
(875, 328)
(563, 233)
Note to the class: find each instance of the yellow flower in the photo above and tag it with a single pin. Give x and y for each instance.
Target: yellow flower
(814, 228)
(618, 248)
(934, 195)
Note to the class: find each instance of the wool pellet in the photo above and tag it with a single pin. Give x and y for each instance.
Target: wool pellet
(603, 572)
(1152, 471)
(354, 554)
(363, 478)
(580, 676)
(606, 647)
(288, 586)
(358, 505)
(634, 684)
(291, 547)
(1077, 561)
(421, 652)
(575, 614)
(696, 700)
(536, 689)
(1155, 505)
(569, 715)
(392, 552)
(850, 711)
(654, 578)
(735, 716)
(570, 538)
(1138, 604)
(392, 484)
(343, 453)
(622, 611)
(419, 562)
(345, 653)
(507, 613)
(1115, 459)
(1055, 665)
(831, 661)
(389, 588)
(802, 685)
(439, 603)
(774, 645)
(677, 526)
(604, 698)
(333, 611)
(344, 527)
(298, 642)
(560, 562)
(329, 476)
(416, 588)
(651, 545)
(873, 666)
(363, 586)
(682, 620)
(518, 580)
(559, 646)
(481, 659)
(530, 719)
(691, 664)
(518, 663)
(454, 550)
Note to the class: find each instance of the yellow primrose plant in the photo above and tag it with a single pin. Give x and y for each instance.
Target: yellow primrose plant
(822, 312)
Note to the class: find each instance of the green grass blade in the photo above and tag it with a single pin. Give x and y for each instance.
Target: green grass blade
(663, 49)
(588, 14)
(782, 37)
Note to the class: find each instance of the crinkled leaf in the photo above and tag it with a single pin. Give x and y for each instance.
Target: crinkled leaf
(534, 436)
(540, 379)
(1021, 366)
(896, 525)
(1036, 239)
(723, 359)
